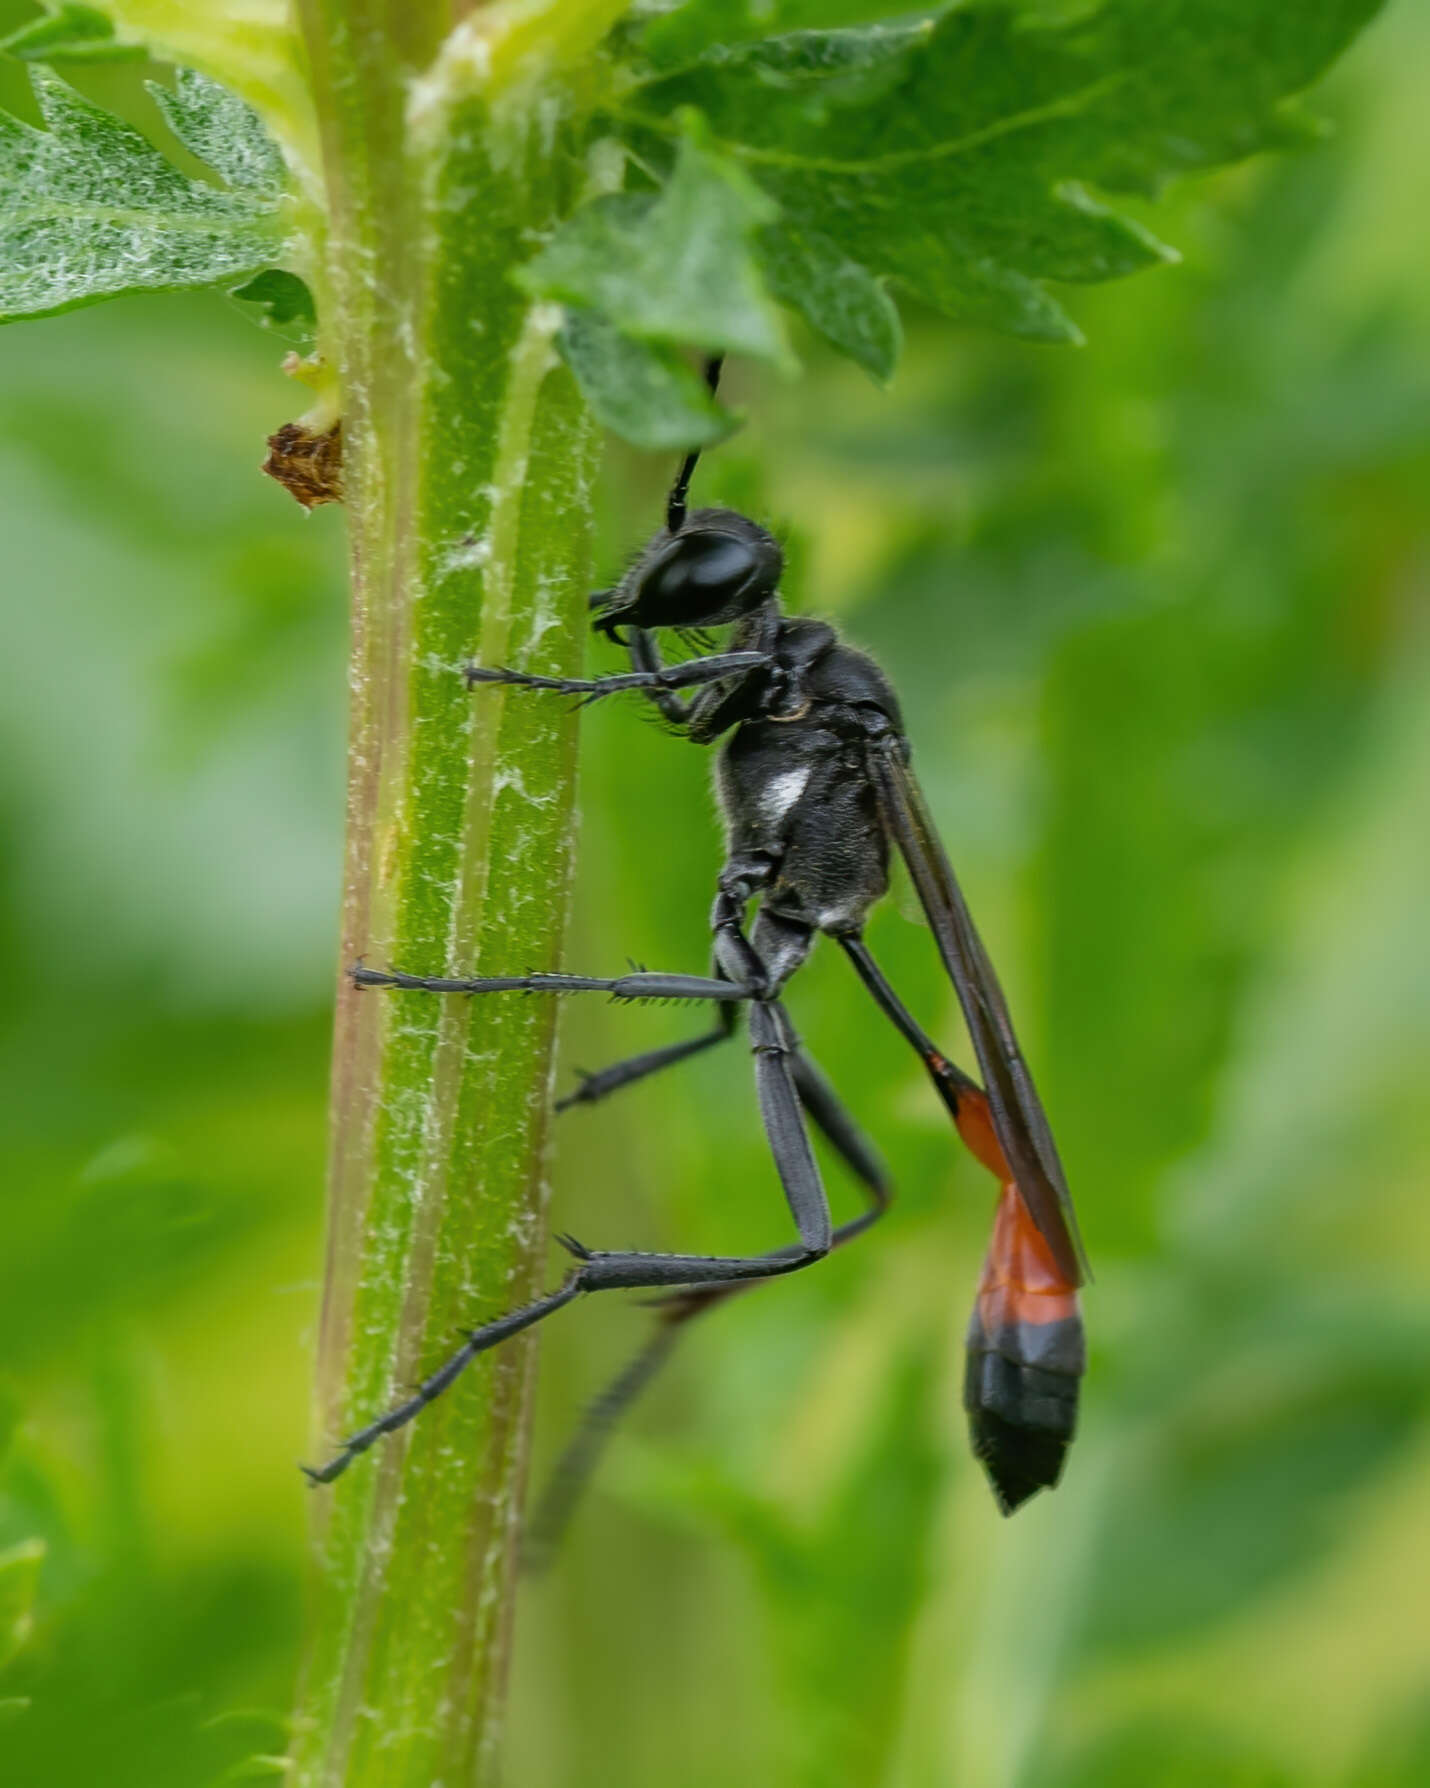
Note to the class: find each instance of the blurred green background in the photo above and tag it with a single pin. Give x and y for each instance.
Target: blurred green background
(1158, 613)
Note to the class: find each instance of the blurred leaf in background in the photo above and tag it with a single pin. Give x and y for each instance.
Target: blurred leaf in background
(172, 724)
(1158, 612)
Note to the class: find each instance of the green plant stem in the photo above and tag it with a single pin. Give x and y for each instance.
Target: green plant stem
(469, 460)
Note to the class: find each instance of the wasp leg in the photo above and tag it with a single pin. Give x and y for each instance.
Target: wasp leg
(645, 656)
(689, 675)
(622, 1270)
(431, 1388)
(707, 714)
(740, 971)
(638, 985)
(848, 1141)
(578, 1462)
(636, 1067)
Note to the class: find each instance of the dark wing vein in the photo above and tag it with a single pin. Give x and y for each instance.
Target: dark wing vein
(1018, 1117)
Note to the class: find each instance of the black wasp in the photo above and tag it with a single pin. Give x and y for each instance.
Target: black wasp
(814, 784)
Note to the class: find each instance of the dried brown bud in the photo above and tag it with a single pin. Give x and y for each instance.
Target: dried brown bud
(307, 464)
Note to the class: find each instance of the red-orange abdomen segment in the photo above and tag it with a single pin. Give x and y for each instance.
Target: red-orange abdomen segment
(1025, 1356)
(1022, 1284)
(975, 1125)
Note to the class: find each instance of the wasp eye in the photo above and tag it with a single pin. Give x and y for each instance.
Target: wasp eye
(696, 578)
(718, 568)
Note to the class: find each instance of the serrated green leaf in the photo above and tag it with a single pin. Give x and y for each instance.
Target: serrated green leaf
(838, 298)
(70, 34)
(946, 153)
(89, 208)
(643, 390)
(216, 126)
(19, 1577)
(676, 268)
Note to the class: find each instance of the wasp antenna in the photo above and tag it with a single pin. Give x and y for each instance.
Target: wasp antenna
(675, 508)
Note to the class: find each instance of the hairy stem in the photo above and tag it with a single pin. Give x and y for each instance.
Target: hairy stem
(469, 459)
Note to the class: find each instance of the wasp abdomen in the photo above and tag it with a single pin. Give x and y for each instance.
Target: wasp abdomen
(1025, 1357)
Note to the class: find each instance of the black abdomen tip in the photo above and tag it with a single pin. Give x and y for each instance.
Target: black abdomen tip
(1021, 1420)
(1019, 1461)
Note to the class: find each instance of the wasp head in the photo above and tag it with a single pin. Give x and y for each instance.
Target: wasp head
(718, 567)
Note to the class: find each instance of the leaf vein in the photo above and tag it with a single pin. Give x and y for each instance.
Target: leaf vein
(1069, 105)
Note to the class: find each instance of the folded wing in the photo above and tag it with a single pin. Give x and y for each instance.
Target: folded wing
(1015, 1109)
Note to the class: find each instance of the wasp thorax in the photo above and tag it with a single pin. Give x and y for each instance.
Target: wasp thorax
(718, 567)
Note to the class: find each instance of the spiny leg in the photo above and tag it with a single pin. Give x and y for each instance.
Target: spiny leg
(478, 1341)
(706, 714)
(645, 656)
(636, 1067)
(640, 984)
(739, 974)
(692, 673)
(606, 1271)
(577, 1464)
(606, 1081)
(773, 1082)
